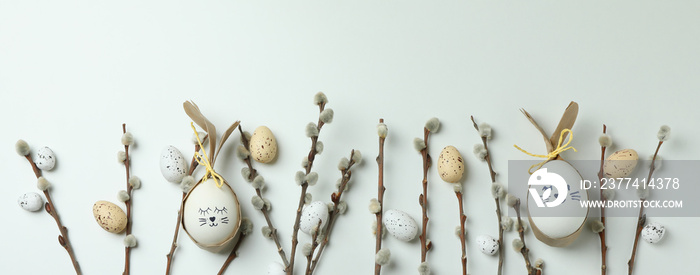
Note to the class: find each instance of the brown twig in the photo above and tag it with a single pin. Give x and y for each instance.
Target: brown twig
(304, 185)
(232, 256)
(335, 212)
(380, 199)
(496, 199)
(462, 221)
(601, 234)
(642, 217)
(314, 243)
(51, 210)
(173, 245)
(258, 191)
(423, 199)
(129, 188)
(531, 270)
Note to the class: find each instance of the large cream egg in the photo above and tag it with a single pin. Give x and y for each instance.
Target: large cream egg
(450, 165)
(553, 203)
(211, 215)
(109, 216)
(263, 145)
(621, 163)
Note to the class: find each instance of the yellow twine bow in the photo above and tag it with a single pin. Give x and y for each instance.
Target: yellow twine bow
(560, 148)
(204, 161)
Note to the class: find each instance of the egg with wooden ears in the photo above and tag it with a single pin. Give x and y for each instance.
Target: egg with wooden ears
(450, 165)
(211, 215)
(311, 215)
(553, 203)
(621, 163)
(400, 225)
(263, 145)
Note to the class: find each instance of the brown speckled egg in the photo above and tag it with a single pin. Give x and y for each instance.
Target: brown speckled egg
(109, 216)
(263, 145)
(450, 165)
(621, 163)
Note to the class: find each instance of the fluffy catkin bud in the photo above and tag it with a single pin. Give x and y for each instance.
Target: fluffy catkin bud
(511, 200)
(305, 161)
(267, 232)
(382, 257)
(123, 196)
(485, 130)
(22, 147)
(257, 202)
(643, 193)
(187, 183)
(374, 206)
(42, 184)
(597, 226)
(299, 177)
(311, 130)
(480, 152)
(424, 268)
(458, 231)
(202, 136)
(382, 130)
(457, 187)
(311, 178)
(518, 245)
(605, 140)
(320, 98)
(343, 163)
(258, 182)
(326, 116)
(609, 194)
(319, 150)
(121, 156)
(497, 190)
(433, 124)
(418, 144)
(130, 241)
(664, 133)
(357, 157)
(506, 223)
(268, 204)
(242, 153)
(307, 198)
(538, 263)
(135, 182)
(342, 207)
(246, 226)
(128, 139)
(523, 225)
(306, 249)
(245, 172)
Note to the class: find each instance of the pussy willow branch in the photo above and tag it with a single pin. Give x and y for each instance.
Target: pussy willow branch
(501, 253)
(642, 217)
(51, 210)
(601, 234)
(314, 244)
(312, 155)
(335, 198)
(525, 251)
(462, 221)
(173, 245)
(423, 199)
(129, 188)
(264, 210)
(380, 199)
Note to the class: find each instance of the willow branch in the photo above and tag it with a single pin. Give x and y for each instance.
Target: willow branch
(51, 210)
(524, 250)
(310, 157)
(129, 188)
(496, 199)
(601, 234)
(423, 199)
(232, 256)
(641, 220)
(462, 221)
(380, 199)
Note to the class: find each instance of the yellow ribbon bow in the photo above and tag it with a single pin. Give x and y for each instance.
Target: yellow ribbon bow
(560, 148)
(204, 161)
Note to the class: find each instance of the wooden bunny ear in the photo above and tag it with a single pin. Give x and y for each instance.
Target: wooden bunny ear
(196, 115)
(547, 142)
(566, 122)
(225, 136)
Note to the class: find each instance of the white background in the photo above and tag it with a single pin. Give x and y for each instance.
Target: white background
(72, 71)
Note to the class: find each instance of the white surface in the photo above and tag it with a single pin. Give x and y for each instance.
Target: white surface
(72, 71)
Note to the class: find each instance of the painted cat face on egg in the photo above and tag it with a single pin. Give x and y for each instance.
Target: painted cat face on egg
(212, 217)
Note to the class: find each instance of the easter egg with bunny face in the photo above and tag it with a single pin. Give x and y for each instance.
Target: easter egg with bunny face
(211, 215)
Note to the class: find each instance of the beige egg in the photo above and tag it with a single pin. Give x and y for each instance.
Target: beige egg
(263, 145)
(621, 163)
(109, 216)
(450, 165)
